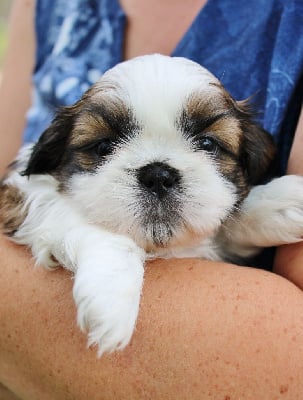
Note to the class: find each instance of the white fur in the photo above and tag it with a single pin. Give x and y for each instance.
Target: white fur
(95, 229)
(108, 268)
(271, 215)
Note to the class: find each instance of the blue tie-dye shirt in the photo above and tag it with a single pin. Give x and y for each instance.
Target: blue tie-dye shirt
(254, 47)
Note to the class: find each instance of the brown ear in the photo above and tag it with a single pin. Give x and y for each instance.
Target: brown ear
(258, 153)
(48, 152)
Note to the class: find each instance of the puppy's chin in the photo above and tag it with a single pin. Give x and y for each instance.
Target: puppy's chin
(162, 240)
(165, 228)
(156, 236)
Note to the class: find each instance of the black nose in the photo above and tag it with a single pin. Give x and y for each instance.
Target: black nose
(159, 178)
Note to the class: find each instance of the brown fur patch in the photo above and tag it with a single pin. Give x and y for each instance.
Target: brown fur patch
(216, 113)
(246, 150)
(98, 115)
(88, 127)
(229, 133)
(12, 213)
(95, 122)
(209, 103)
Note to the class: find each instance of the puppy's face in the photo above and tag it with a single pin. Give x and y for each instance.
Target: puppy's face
(156, 150)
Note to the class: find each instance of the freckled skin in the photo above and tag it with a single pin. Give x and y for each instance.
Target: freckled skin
(187, 336)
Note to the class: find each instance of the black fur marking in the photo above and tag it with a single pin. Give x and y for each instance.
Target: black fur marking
(60, 152)
(48, 152)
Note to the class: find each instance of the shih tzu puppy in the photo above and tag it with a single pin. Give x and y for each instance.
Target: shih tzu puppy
(155, 160)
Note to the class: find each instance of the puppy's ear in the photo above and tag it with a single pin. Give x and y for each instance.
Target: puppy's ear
(258, 154)
(48, 152)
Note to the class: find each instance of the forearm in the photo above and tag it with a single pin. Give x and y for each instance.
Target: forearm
(203, 328)
(5, 394)
(289, 258)
(289, 263)
(15, 87)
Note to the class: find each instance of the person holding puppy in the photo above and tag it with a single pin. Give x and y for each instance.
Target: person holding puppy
(205, 329)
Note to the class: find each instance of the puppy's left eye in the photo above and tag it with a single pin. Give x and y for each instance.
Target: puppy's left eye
(207, 143)
(104, 147)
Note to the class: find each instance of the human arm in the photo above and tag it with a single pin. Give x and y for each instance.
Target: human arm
(15, 87)
(289, 258)
(203, 328)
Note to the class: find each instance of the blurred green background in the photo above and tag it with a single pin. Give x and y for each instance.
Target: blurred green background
(5, 6)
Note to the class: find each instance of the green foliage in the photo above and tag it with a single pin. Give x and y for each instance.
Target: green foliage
(3, 40)
(5, 6)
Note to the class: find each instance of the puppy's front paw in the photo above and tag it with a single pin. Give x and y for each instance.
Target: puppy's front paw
(276, 211)
(107, 294)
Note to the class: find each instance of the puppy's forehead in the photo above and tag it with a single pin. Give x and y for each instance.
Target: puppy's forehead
(157, 84)
(149, 71)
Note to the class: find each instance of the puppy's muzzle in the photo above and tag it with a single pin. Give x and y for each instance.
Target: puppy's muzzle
(158, 178)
